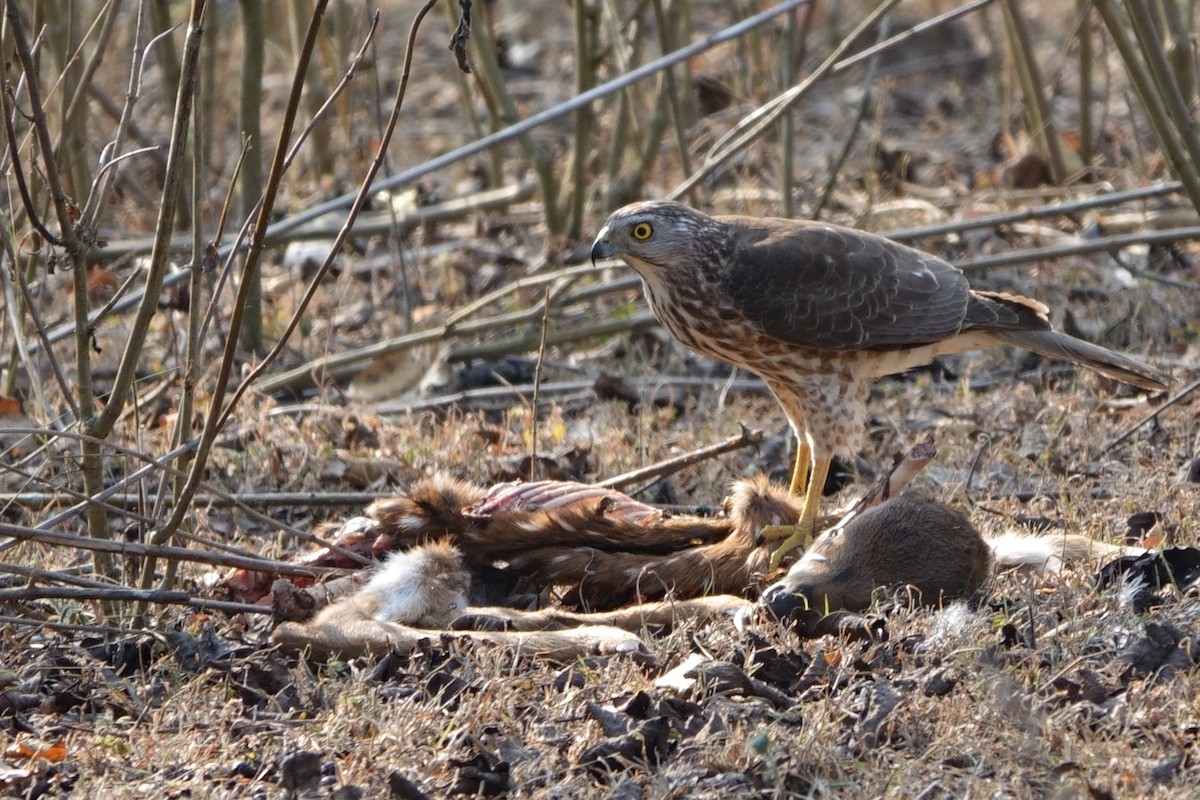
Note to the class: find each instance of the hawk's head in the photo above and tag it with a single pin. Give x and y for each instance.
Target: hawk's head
(658, 236)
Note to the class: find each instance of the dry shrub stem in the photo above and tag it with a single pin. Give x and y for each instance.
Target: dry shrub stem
(537, 385)
(1087, 62)
(250, 125)
(151, 465)
(213, 420)
(745, 438)
(106, 173)
(92, 465)
(1153, 103)
(139, 550)
(1082, 247)
(71, 124)
(504, 109)
(585, 78)
(755, 125)
(1037, 110)
(667, 20)
(161, 596)
(365, 190)
(855, 126)
(1154, 51)
(17, 308)
(218, 416)
(1066, 208)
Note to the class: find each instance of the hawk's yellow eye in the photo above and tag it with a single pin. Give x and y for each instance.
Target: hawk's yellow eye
(642, 231)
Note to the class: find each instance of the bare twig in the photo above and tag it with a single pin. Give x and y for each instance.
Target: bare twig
(855, 126)
(1179, 397)
(242, 500)
(1037, 212)
(762, 119)
(1037, 110)
(746, 438)
(142, 596)
(140, 550)
(1153, 103)
(213, 420)
(537, 386)
(1081, 247)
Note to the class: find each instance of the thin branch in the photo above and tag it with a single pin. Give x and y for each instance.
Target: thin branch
(139, 550)
(746, 438)
(213, 420)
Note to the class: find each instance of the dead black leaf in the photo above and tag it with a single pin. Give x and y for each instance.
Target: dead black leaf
(1028, 172)
(613, 721)
(814, 674)
(1165, 772)
(13, 702)
(388, 667)
(462, 35)
(616, 387)
(712, 94)
(575, 674)
(196, 653)
(626, 789)
(644, 745)
(445, 687)
(638, 706)
(1163, 649)
(1083, 685)
(773, 665)
(1140, 523)
(264, 680)
(290, 603)
(402, 788)
(1013, 635)
(128, 655)
(881, 701)
(480, 775)
(300, 773)
(940, 682)
(721, 677)
(507, 371)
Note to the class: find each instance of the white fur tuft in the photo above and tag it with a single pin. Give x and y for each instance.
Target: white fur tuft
(951, 624)
(401, 589)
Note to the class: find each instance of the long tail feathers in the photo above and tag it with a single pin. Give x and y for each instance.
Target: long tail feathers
(1054, 344)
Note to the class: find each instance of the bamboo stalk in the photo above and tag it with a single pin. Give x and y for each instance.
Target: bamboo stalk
(1152, 101)
(1038, 116)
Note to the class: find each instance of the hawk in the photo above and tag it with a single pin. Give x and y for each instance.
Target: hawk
(818, 311)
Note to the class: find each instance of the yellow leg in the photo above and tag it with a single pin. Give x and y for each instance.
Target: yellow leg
(799, 482)
(800, 470)
(802, 532)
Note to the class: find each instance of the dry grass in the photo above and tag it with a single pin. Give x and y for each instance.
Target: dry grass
(1033, 692)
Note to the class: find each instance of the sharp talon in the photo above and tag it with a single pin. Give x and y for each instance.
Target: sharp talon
(774, 533)
(799, 537)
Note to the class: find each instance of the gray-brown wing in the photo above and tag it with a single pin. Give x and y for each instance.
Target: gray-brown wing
(838, 289)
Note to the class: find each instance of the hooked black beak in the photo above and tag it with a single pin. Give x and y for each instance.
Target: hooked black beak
(601, 248)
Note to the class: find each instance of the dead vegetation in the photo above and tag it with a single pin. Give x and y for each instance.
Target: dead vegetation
(146, 442)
